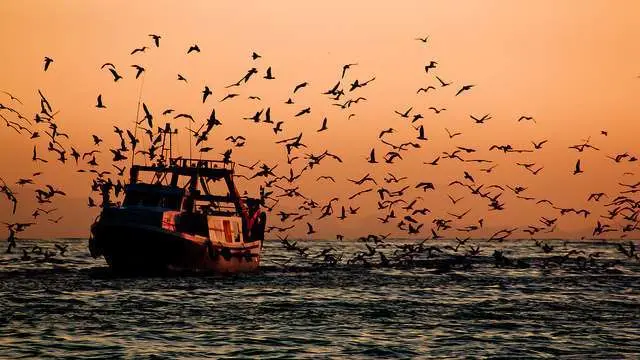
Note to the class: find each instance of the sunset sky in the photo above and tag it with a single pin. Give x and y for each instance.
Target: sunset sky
(572, 65)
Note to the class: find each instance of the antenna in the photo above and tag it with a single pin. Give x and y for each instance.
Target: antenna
(190, 157)
(167, 131)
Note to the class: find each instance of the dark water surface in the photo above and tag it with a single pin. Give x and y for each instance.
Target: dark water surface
(75, 308)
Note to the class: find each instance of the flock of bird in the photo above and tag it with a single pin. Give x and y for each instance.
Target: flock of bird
(398, 205)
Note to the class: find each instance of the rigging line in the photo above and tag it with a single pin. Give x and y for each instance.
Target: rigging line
(135, 122)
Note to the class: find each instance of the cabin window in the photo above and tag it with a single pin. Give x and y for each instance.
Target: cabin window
(152, 200)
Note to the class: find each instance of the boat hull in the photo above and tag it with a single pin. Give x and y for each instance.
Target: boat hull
(136, 248)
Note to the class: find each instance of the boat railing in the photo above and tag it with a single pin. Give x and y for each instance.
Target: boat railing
(218, 209)
(202, 164)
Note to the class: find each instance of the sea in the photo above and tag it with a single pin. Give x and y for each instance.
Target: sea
(542, 305)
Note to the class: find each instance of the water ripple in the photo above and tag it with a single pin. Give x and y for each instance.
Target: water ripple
(77, 309)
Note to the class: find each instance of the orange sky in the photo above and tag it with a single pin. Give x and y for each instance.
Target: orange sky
(573, 65)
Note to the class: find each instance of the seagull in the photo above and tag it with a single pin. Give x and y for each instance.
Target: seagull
(431, 65)
(47, 62)
(310, 231)
(372, 157)
(425, 89)
(464, 88)
(424, 39)
(523, 117)
(324, 125)
(268, 75)
(300, 86)
(442, 83)
(205, 93)
(100, 105)
(304, 111)
(229, 96)
(96, 139)
(404, 114)
(116, 76)
(35, 156)
(482, 119)
(142, 49)
(539, 144)
(452, 135)
(13, 98)
(577, 170)
(346, 67)
(387, 131)
(156, 39)
(186, 116)
(55, 221)
(193, 48)
(139, 70)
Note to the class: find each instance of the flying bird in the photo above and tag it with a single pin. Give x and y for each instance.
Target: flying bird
(35, 156)
(346, 67)
(421, 133)
(404, 114)
(300, 86)
(139, 70)
(156, 39)
(324, 125)
(229, 96)
(577, 169)
(142, 49)
(205, 93)
(268, 75)
(431, 65)
(100, 105)
(304, 111)
(442, 82)
(186, 116)
(452, 135)
(538, 145)
(464, 88)
(96, 140)
(310, 229)
(482, 119)
(372, 157)
(115, 74)
(47, 62)
(425, 89)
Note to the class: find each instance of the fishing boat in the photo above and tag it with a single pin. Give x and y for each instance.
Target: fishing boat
(180, 215)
